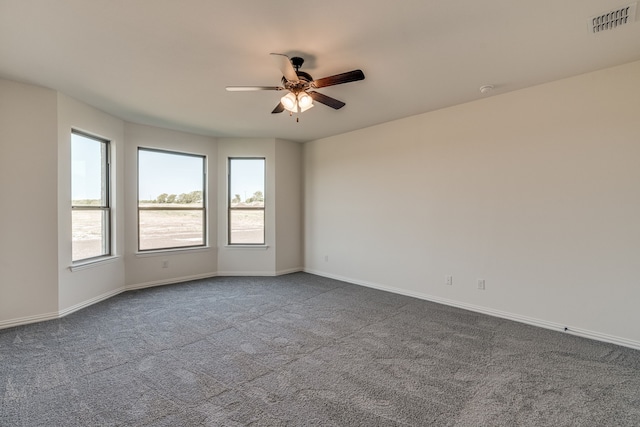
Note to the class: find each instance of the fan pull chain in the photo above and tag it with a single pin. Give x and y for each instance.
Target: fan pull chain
(297, 117)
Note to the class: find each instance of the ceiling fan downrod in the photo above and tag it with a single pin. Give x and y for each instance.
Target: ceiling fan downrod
(297, 62)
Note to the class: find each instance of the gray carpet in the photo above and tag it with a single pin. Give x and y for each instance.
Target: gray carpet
(305, 350)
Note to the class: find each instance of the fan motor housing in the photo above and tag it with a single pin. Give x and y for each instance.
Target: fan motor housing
(304, 80)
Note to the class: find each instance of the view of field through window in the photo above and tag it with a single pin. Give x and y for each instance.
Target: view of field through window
(171, 200)
(246, 200)
(171, 204)
(90, 212)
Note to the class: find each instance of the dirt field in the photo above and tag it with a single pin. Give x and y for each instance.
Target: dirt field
(247, 227)
(163, 229)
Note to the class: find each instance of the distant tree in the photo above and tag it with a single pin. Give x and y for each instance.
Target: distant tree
(236, 199)
(258, 196)
(192, 197)
(196, 196)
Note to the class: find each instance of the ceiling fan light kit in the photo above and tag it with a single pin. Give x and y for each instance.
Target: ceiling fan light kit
(299, 84)
(296, 104)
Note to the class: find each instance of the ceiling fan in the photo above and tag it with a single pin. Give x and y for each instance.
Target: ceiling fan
(300, 86)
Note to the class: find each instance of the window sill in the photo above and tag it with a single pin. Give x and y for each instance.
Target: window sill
(162, 252)
(82, 265)
(255, 247)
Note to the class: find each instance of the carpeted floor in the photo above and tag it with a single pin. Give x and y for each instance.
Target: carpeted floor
(303, 350)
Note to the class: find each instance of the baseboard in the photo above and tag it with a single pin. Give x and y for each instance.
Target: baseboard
(479, 309)
(489, 311)
(289, 271)
(169, 281)
(91, 301)
(259, 273)
(245, 273)
(4, 324)
(208, 275)
(28, 319)
(57, 315)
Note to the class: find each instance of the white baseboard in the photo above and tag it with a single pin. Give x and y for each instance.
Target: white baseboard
(61, 313)
(245, 273)
(27, 319)
(260, 273)
(169, 281)
(91, 301)
(57, 315)
(491, 312)
(289, 271)
(479, 309)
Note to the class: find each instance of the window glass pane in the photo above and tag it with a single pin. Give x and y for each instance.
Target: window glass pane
(90, 221)
(246, 201)
(246, 226)
(171, 228)
(246, 187)
(166, 179)
(89, 237)
(88, 171)
(171, 200)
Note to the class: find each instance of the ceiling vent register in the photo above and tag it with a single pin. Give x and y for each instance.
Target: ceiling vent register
(613, 19)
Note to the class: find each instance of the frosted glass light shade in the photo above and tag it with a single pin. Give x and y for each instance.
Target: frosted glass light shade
(289, 102)
(304, 100)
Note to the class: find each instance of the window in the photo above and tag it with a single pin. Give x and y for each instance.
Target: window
(246, 201)
(171, 200)
(90, 202)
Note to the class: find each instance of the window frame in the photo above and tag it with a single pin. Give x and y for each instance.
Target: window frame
(249, 208)
(105, 205)
(203, 208)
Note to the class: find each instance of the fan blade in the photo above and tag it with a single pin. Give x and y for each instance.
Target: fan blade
(338, 79)
(284, 64)
(326, 100)
(279, 108)
(252, 88)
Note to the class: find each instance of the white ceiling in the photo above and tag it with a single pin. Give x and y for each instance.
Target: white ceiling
(167, 62)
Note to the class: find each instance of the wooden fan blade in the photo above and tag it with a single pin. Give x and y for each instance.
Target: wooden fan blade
(279, 108)
(252, 88)
(338, 79)
(284, 64)
(326, 100)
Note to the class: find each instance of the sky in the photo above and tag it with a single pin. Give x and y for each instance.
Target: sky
(247, 177)
(86, 174)
(162, 172)
(159, 172)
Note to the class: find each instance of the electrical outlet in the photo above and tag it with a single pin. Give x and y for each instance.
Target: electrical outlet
(165, 264)
(326, 258)
(448, 280)
(481, 284)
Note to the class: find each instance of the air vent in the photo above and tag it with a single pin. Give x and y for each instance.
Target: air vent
(613, 19)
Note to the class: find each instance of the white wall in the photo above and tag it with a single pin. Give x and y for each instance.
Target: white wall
(102, 279)
(289, 214)
(254, 261)
(535, 191)
(28, 204)
(145, 269)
